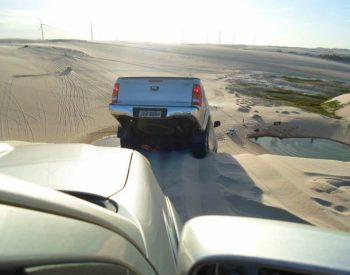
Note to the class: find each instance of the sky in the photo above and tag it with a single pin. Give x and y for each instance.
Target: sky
(299, 23)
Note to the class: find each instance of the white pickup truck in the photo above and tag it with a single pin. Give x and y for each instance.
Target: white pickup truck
(163, 112)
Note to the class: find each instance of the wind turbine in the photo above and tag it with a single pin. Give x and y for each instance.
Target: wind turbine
(182, 36)
(42, 29)
(92, 31)
(220, 37)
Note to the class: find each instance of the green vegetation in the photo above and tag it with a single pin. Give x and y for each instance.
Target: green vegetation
(332, 106)
(307, 102)
(309, 94)
(331, 88)
(311, 103)
(342, 90)
(301, 80)
(335, 57)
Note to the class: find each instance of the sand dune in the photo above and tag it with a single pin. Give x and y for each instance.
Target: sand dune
(344, 110)
(58, 91)
(46, 97)
(295, 184)
(217, 185)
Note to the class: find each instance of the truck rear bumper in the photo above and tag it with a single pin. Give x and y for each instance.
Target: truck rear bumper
(172, 112)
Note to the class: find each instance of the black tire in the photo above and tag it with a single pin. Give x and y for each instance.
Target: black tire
(126, 139)
(126, 143)
(200, 148)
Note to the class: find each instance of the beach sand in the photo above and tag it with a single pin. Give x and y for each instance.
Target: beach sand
(58, 92)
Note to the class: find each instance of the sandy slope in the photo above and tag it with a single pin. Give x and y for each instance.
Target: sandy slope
(46, 96)
(314, 190)
(59, 92)
(344, 111)
(218, 184)
(265, 186)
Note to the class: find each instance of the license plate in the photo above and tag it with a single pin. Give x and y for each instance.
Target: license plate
(150, 113)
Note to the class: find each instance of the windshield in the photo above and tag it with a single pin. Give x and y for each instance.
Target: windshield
(273, 77)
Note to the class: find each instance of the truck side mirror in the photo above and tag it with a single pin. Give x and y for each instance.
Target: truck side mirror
(217, 123)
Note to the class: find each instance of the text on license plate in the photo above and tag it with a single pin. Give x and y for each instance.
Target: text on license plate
(144, 113)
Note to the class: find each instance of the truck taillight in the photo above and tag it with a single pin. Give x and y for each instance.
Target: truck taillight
(197, 95)
(115, 93)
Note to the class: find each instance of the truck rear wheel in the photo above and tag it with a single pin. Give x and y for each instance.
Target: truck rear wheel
(126, 143)
(200, 147)
(126, 139)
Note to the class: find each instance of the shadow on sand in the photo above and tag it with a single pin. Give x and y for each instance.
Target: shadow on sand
(215, 185)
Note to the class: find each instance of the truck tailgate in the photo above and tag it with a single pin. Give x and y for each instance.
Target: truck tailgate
(155, 91)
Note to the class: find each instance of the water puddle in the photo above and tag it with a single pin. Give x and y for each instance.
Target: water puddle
(306, 147)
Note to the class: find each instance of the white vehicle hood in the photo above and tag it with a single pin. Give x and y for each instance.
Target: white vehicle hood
(69, 167)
